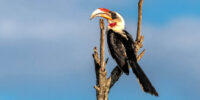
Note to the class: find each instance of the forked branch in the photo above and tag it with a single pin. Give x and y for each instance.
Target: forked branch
(102, 83)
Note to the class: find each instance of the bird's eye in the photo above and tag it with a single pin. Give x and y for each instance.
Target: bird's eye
(114, 15)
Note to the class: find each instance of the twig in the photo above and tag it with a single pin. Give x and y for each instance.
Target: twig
(141, 55)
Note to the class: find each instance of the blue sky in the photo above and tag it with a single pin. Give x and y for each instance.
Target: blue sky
(46, 47)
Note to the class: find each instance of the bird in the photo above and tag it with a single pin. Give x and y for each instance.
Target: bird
(121, 47)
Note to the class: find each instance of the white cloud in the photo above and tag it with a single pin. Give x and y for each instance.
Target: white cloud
(178, 33)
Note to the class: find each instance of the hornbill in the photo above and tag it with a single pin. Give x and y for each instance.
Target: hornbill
(120, 44)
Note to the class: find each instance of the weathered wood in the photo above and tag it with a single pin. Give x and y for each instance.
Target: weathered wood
(139, 38)
(97, 64)
(102, 44)
(102, 83)
(141, 55)
(139, 20)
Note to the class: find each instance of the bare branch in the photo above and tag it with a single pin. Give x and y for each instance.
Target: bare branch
(139, 39)
(139, 19)
(102, 44)
(102, 83)
(97, 64)
(141, 55)
(97, 88)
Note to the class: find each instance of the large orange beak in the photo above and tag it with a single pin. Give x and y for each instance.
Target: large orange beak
(101, 12)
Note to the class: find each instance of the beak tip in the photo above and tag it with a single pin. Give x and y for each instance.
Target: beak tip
(92, 16)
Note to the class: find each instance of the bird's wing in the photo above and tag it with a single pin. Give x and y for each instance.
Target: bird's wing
(118, 50)
(129, 45)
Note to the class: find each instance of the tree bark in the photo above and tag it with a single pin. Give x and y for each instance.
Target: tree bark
(103, 84)
(139, 38)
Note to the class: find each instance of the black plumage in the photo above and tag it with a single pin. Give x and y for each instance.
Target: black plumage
(122, 50)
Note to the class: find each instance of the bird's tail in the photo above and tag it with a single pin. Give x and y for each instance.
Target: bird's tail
(142, 78)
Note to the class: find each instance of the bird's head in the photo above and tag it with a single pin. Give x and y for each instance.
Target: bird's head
(115, 20)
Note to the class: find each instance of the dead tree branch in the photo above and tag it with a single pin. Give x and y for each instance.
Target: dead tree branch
(104, 84)
(139, 38)
(97, 64)
(102, 45)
